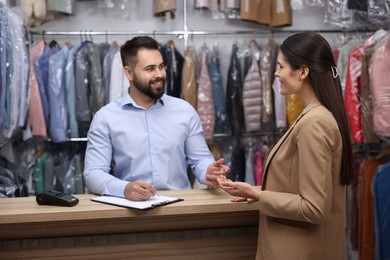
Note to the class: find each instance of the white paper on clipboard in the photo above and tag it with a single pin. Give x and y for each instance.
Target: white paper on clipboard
(153, 202)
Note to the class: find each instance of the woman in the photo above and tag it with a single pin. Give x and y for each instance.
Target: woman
(302, 201)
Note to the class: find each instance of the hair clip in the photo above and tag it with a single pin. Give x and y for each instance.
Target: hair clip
(335, 71)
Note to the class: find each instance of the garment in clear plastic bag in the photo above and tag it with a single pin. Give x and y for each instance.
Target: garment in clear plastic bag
(338, 14)
(380, 87)
(205, 101)
(268, 58)
(188, 80)
(252, 91)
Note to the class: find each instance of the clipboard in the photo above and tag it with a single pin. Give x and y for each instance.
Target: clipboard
(153, 202)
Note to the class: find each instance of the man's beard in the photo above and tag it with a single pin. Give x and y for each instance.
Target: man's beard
(146, 89)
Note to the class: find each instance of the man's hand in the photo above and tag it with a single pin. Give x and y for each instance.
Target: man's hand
(139, 191)
(215, 170)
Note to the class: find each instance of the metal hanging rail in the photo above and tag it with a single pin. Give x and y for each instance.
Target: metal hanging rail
(190, 32)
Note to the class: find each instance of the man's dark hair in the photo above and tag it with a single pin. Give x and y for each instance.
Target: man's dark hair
(130, 49)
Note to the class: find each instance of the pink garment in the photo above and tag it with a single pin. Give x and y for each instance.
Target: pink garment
(352, 93)
(379, 71)
(35, 115)
(205, 104)
(259, 167)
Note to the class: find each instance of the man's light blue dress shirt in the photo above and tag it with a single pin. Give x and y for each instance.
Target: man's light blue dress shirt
(149, 144)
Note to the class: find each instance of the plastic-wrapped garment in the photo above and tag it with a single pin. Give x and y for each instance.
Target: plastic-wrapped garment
(188, 81)
(34, 11)
(19, 159)
(57, 95)
(294, 108)
(71, 94)
(237, 164)
(267, 70)
(83, 92)
(297, 4)
(382, 217)
(358, 5)
(41, 68)
(107, 66)
(62, 6)
(73, 182)
(205, 101)
(35, 116)
(231, 8)
(259, 166)
(202, 4)
(54, 171)
(342, 61)
(252, 92)
(281, 13)
(119, 83)
(89, 87)
(256, 11)
(234, 94)
(353, 92)
(15, 90)
(173, 61)
(165, 6)
(369, 135)
(314, 3)
(6, 74)
(379, 10)
(338, 14)
(380, 87)
(21, 62)
(13, 75)
(306, 4)
(12, 182)
(249, 163)
(280, 105)
(6, 47)
(221, 118)
(96, 83)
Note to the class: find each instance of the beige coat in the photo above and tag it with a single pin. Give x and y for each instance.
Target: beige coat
(303, 206)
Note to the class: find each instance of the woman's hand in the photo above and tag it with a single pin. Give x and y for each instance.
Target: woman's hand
(242, 190)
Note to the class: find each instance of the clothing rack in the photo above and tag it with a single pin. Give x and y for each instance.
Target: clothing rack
(186, 33)
(190, 32)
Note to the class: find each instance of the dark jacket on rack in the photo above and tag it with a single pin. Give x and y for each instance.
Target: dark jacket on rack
(234, 94)
(89, 91)
(221, 118)
(174, 65)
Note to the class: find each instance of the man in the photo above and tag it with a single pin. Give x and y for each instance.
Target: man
(146, 136)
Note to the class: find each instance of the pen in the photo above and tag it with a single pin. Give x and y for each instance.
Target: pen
(149, 190)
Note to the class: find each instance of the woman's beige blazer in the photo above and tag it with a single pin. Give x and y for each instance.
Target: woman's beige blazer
(303, 206)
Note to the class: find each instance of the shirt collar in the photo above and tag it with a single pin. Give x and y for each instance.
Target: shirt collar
(128, 100)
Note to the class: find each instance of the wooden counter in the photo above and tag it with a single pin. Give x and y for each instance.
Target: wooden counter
(206, 225)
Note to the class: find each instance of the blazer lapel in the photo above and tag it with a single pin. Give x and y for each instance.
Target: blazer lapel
(281, 141)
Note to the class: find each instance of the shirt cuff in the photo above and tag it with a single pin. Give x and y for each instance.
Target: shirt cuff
(116, 188)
